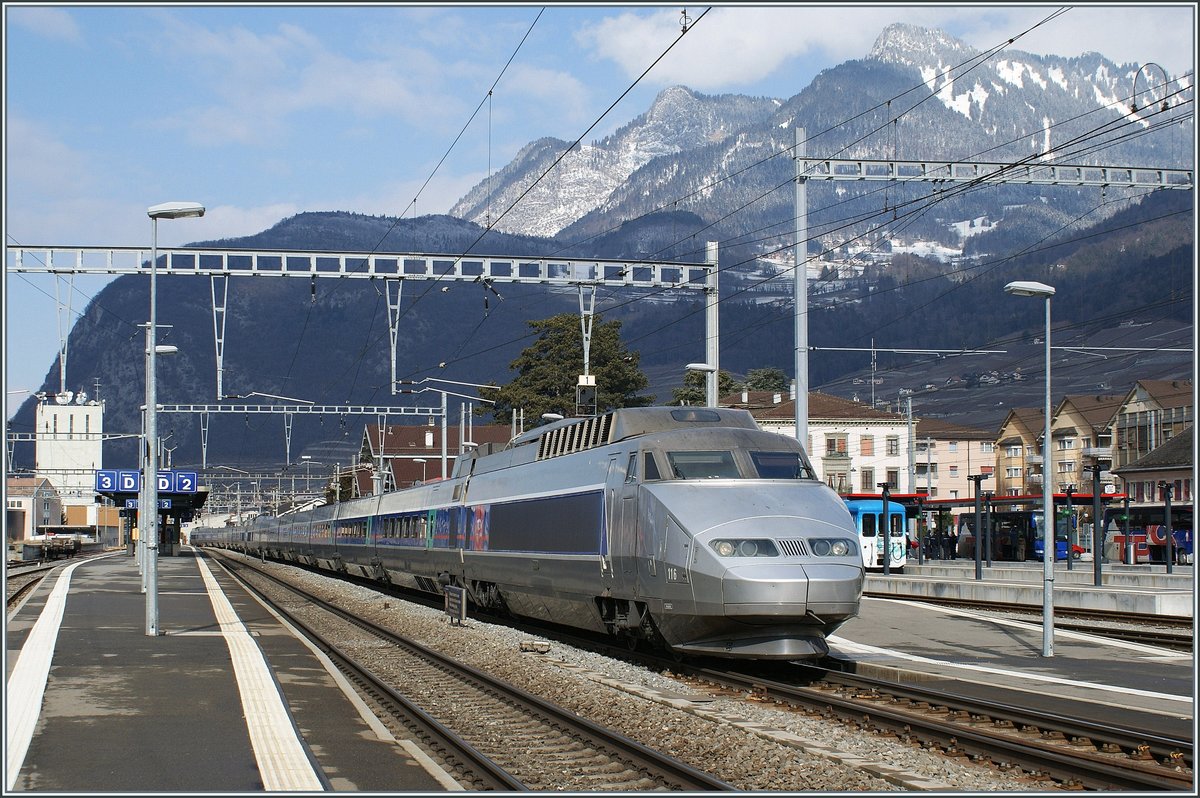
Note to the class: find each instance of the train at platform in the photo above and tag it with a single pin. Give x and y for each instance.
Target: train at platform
(1147, 525)
(688, 529)
(869, 522)
(1015, 537)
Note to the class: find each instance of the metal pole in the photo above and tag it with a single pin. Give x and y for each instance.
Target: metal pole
(886, 532)
(987, 524)
(150, 470)
(978, 530)
(1167, 488)
(922, 533)
(801, 292)
(1047, 516)
(444, 474)
(1128, 539)
(712, 333)
(1070, 491)
(1097, 528)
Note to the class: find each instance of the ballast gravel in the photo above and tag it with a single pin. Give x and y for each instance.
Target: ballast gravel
(748, 745)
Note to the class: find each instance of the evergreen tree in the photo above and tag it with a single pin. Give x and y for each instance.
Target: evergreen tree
(767, 379)
(548, 371)
(694, 391)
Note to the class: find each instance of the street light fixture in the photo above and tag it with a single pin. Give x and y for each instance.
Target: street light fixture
(710, 381)
(421, 460)
(1033, 289)
(148, 506)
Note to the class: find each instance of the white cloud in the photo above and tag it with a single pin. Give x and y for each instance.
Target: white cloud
(51, 23)
(733, 46)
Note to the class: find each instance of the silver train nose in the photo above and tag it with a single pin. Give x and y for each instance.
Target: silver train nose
(831, 591)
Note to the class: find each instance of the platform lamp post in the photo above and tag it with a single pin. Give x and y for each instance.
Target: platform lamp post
(978, 478)
(1167, 488)
(148, 508)
(421, 460)
(1033, 289)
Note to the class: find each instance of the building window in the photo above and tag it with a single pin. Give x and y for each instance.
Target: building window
(953, 494)
(1066, 444)
(953, 446)
(987, 469)
(866, 445)
(868, 480)
(1066, 466)
(1013, 472)
(1014, 492)
(893, 445)
(1013, 451)
(953, 471)
(893, 477)
(987, 447)
(835, 444)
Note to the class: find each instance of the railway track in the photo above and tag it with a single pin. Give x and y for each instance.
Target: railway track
(491, 734)
(1075, 754)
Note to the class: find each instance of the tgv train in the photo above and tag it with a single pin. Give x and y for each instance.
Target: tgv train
(687, 527)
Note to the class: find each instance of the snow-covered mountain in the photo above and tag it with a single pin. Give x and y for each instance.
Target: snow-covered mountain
(919, 94)
(678, 122)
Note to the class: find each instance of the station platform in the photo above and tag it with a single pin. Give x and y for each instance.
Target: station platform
(1086, 676)
(226, 699)
(1144, 589)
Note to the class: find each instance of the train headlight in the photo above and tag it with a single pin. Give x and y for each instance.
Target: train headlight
(744, 547)
(831, 547)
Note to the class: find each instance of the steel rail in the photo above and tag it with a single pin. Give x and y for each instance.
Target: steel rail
(638, 755)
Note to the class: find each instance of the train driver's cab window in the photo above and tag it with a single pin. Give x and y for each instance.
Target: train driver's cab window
(781, 465)
(650, 470)
(631, 469)
(703, 465)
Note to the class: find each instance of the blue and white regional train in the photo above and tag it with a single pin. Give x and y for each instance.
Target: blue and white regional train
(687, 527)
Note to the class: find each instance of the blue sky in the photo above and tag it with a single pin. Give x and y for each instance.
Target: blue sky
(262, 112)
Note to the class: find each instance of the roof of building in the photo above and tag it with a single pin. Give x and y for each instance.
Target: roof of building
(1096, 410)
(943, 430)
(772, 406)
(410, 439)
(27, 486)
(1165, 393)
(1175, 453)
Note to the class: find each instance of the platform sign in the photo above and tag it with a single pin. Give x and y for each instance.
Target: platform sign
(106, 480)
(132, 504)
(186, 482)
(456, 604)
(129, 481)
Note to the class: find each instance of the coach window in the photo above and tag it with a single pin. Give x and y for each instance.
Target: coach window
(631, 469)
(650, 470)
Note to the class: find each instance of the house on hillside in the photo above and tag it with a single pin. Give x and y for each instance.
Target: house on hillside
(1081, 431)
(1018, 467)
(1152, 413)
(946, 454)
(1173, 463)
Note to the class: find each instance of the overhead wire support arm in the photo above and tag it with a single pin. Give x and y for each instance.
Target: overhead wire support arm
(1046, 174)
(199, 261)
